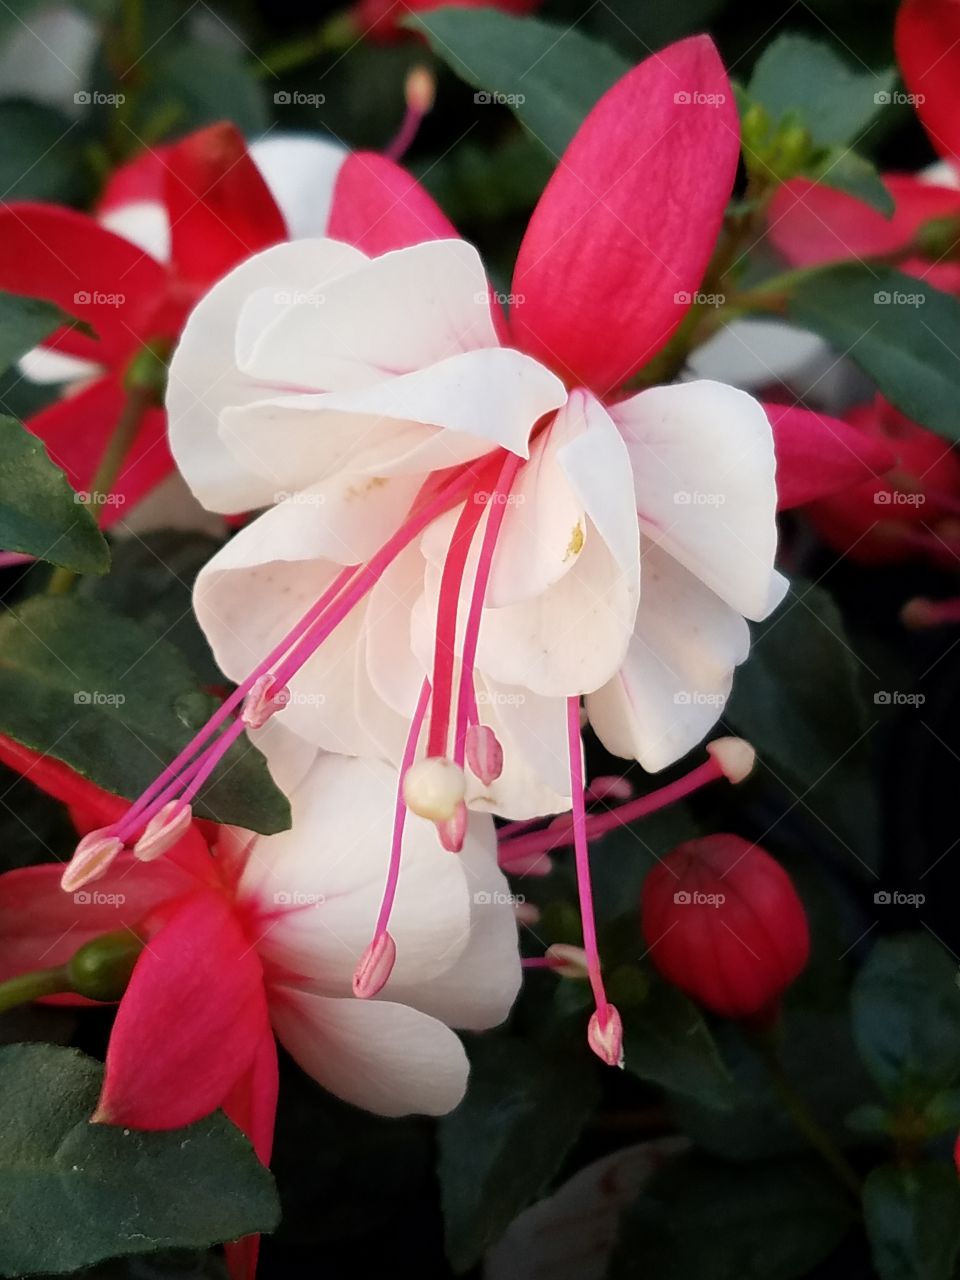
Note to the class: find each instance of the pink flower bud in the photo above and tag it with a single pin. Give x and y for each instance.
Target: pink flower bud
(724, 924)
(376, 965)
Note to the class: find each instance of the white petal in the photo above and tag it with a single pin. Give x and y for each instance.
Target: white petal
(393, 314)
(204, 378)
(322, 882)
(759, 353)
(536, 767)
(678, 671)
(145, 223)
(45, 366)
(301, 173)
(479, 990)
(703, 467)
(388, 1058)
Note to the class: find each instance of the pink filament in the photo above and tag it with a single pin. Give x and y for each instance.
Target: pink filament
(400, 813)
(582, 856)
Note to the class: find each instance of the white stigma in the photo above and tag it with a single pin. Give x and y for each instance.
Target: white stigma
(735, 757)
(434, 788)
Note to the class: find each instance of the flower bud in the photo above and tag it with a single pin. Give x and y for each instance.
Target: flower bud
(724, 924)
(101, 969)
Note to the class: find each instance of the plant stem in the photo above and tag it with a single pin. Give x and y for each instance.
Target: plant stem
(31, 986)
(334, 33)
(801, 1115)
(124, 434)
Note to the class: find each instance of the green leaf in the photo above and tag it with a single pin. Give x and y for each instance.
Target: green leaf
(116, 703)
(40, 515)
(666, 1041)
(76, 1193)
(703, 1219)
(906, 1017)
(550, 76)
(856, 176)
(803, 673)
(193, 84)
(913, 1221)
(897, 329)
(799, 76)
(523, 1111)
(41, 156)
(24, 322)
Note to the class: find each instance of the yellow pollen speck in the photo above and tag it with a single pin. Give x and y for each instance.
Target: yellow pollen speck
(575, 545)
(361, 490)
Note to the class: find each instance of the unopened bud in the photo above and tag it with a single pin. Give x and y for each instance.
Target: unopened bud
(376, 965)
(605, 1037)
(91, 858)
(163, 830)
(101, 969)
(734, 757)
(433, 788)
(484, 753)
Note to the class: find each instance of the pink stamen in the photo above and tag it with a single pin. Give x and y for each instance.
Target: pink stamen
(497, 506)
(484, 753)
(419, 92)
(921, 613)
(609, 788)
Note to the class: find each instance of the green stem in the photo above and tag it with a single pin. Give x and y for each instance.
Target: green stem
(32, 986)
(337, 32)
(139, 400)
(804, 1119)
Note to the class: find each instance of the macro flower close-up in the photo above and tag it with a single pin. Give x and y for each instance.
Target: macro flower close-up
(479, 529)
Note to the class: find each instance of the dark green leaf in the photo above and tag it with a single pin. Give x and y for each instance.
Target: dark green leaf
(116, 702)
(195, 84)
(702, 1219)
(75, 1193)
(906, 1017)
(835, 102)
(802, 673)
(913, 1220)
(897, 329)
(499, 1149)
(549, 75)
(40, 153)
(40, 514)
(846, 171)
(667, 1041)
(24, 322)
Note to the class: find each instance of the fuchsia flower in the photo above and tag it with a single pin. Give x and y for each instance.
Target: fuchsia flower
(460, 501)
(262, 938)
(169, 224)
(724, 923)
(380, 20)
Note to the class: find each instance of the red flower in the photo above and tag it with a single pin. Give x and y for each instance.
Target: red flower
(380, 19)
(724, 924)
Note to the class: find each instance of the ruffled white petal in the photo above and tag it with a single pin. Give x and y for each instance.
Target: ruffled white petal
(301, 173)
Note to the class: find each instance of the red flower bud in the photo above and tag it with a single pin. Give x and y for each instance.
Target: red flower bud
(724, 924)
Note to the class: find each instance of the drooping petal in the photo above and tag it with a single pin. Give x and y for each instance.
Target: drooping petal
(678, 671)
(478, 991)
(757, 353)
(204, 377)
(703, 468)
(810, 223)
(252, 1103)
(629, 220)
(300, 172)
(221, 210)
(190, 1022)
(41, 926)
(818, 455)
(69, 259)
(76, 430)
(378, 206)
(927, 42)
(317, 887)
(384, 1057)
